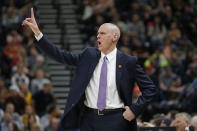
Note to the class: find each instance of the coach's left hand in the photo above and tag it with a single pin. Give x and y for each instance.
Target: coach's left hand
(128, 114)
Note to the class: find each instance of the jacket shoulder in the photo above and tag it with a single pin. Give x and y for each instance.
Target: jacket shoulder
(129, 58)
(90, 51)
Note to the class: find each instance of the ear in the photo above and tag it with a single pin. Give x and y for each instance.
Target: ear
(115, 37)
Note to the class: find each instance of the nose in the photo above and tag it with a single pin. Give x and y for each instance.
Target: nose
(98, 36)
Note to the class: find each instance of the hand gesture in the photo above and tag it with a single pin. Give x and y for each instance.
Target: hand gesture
(31, 23)
(128, 114)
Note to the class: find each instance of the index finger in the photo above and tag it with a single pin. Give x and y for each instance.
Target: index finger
(32, 13)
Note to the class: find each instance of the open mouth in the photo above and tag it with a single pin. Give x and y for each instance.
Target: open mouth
(98, 43)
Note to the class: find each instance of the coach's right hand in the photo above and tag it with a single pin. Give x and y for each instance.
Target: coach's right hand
(31, 23)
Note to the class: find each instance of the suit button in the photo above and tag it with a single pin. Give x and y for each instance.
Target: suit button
(72, 105)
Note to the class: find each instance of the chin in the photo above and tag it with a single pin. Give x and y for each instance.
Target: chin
(99, 48)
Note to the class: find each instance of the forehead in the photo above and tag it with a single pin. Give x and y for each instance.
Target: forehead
(104, 28)
(180, 118)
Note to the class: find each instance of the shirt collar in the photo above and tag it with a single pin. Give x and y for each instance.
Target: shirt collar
(110, 55)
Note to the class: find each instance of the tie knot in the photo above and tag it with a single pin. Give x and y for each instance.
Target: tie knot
(105, 58)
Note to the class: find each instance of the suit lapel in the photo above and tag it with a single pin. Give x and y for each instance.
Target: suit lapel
(93, 64)
(119, 66)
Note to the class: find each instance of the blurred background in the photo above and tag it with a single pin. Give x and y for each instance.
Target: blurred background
(161, 33)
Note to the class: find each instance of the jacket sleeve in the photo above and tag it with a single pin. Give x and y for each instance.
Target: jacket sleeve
(148, 89)
(59, 55)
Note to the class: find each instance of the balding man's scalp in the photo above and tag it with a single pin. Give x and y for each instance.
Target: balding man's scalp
(113, 28)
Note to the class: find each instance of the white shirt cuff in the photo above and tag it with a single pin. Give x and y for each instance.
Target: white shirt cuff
(39, 36)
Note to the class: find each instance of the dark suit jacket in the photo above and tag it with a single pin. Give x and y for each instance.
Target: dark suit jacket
(127, 72)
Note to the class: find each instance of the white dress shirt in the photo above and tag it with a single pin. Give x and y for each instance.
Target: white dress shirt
(112, 98)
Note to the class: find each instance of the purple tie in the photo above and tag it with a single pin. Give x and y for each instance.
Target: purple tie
(101, 102)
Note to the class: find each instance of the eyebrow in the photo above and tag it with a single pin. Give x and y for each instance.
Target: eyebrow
(101, 32)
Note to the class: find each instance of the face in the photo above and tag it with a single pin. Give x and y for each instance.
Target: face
(106, 39)
(40, 74)
(180, 123)
(29, 109)
(47, 88)
(20, 70)
(10, 107)
(24, 88)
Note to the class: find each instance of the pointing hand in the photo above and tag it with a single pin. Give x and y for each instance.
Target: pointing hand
(31, 23)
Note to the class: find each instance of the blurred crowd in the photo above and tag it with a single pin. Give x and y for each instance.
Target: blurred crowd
(26, 99)
(161, 33)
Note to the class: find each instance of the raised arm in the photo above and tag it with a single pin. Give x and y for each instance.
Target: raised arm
(47, 47)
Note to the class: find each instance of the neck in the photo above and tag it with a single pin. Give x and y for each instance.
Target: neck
(109, 50)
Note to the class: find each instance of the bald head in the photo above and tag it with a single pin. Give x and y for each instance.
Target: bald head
(114, 29)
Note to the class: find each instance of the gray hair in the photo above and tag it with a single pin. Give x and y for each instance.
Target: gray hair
(185, 116)
(194, 121)
(114, 28)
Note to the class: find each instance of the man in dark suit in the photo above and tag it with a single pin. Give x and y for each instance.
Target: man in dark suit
(100, 97)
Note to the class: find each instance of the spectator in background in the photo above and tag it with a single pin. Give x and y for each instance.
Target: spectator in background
(166, 80)
(116, 20)
(168, 19)
(157, 32)
(54, 124)
(24, 90)
(10, 18)
(88, 10)
(18, 101)
(33, 53)
(125, 42)
(181, 122)
(168, 48)
(1, 116)
(13, 47)
(137, 46)
(176, 64)
(151, 72)
(40, 64)
(190, 73)
(177, 86)
(35, 127)
(20, 77)
(52, 112)
(29, 118)
(166, 122)
(43, 98)
(101, 6)
(194, 122)
(157, 119)
(137, 28)
(174, 32)
(28, 38)
(15, 116)
(38, 82)
(24, 12)
(3, 96)
(2, 83)
(171, 114)
(192, 97)
(13, 127)
(6, 122)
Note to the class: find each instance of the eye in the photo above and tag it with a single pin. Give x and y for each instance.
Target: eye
(103, 33)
